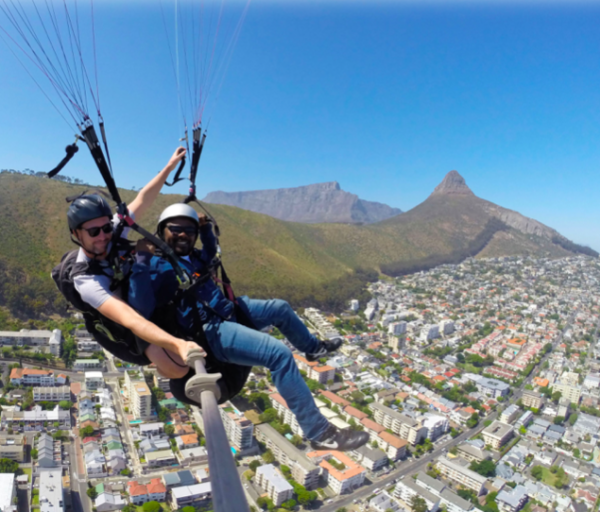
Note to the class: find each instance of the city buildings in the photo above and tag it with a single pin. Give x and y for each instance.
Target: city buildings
(461, 475)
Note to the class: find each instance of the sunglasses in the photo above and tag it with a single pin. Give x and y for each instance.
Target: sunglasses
(188, 230)
(94, 232)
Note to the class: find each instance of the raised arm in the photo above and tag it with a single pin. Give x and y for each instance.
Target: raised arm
(150, 192)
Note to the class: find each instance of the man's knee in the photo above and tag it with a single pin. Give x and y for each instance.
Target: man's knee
(282, 307)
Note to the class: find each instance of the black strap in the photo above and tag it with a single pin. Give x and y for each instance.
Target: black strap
(70, 150)
(91, 138)
(177, 178)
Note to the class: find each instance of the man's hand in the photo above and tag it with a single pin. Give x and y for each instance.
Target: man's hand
(144, 245)
(202, 219)
(179, 154)
(184, 349)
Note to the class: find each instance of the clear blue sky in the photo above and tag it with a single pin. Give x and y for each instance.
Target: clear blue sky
(385, 98)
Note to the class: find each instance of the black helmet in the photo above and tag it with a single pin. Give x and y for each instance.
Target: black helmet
(86, 208)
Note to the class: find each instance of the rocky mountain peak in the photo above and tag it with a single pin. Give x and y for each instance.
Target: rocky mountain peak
(453, 184)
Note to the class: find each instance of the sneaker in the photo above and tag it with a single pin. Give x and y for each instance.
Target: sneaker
(342, 440)
(325, 347)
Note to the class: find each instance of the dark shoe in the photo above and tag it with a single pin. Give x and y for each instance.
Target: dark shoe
(325, 348)
(342, 440)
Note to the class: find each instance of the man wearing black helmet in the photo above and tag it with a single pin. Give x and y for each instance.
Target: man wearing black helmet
(208, 313)
(91, 223)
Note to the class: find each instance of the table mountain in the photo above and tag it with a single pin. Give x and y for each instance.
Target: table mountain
(311, 204)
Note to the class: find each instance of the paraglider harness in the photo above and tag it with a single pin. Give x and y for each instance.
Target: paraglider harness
(112, 335)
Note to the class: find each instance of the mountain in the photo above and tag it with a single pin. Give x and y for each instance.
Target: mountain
(321, 265)
(311, 204)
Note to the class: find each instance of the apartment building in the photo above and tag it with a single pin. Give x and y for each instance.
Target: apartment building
(397, 328)
(32, 377)
(94, 381)
(35, 419)
(393, 446)
(281, 406)
(371, 458)
(140, 400)
(497, 434)
(190, 494)
(492, 387)
(51, 490)
(8, 492)
(436, 425)
(275, 485)
(571, 393)
(51, 393)
(406, 489)
(239, 429)
(512, 500)
(161, 382)
(472, 453)
(532, 399)
(342, 474)
(88, 345)
(407, 428)
(87, 364)
(510, 414)
(12, 447)
(303, 470)
(160, 458)
(461, 475)
(322, 374)
(42, 338)
(448, 500)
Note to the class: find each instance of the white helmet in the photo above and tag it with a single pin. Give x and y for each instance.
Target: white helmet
(176, 210)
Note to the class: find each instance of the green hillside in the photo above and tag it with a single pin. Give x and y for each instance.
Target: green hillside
(307, 264)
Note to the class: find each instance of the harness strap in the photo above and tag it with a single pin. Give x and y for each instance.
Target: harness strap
(177, 178)
(70, 150)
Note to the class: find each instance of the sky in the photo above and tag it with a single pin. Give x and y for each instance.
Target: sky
(383, 97)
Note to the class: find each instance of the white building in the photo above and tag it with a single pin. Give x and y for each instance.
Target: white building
(8, 492)
(406, 489)
(436, 425)
(273, 482)
(24, 337)
(397, 328)
(354, 305)
(51, 393)
(94, 380)
(447, 327)
(239, 429)
(51, 490)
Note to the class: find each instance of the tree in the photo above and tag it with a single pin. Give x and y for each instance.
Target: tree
(418, 504)
(169, 430)
(573, 419)
(92, 493)
(254, 465)
(65, 405)
(151, 506)
(537, 472)
(9, 466)
(126, 472)
(268, 457)
(485, 468)
(289, 504)
(86, 431)
(130, 508)
(188, 509)
(473, 420)
(559, 420)
(269, 415)
(296, 440)
(34, 453)
(556, 396)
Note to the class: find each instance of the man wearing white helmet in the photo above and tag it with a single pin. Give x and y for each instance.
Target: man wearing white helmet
(208, 314)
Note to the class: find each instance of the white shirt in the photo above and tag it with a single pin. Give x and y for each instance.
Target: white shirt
(93, 289)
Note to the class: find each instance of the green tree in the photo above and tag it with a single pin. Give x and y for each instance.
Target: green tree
(126, 472)
(537, 472)
(151, 506)
(169, 430)
(573, 419)
(289, 504)
(558, 420)
(485, 468)
(473, 420)
(269, 415)
(65, 405)
(418, 504)
(254, 465)
(296, 440)
(556, 396)
(268, 457)
(188, 509)
(131, 508)
(86, 431)
(92, 493)
(9, 466)
(34, 453)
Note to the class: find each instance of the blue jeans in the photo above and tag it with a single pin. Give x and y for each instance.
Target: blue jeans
(234, 343)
